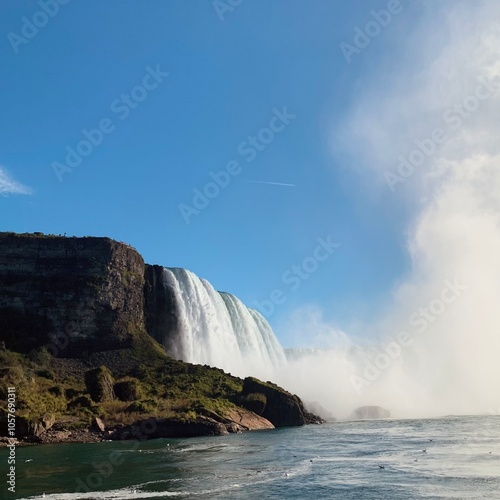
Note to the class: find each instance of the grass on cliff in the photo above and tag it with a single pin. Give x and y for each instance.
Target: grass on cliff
(152, 383)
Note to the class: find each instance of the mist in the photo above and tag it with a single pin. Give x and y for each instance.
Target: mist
(437, 350)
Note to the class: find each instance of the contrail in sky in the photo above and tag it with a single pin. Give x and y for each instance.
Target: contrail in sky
(273, 183)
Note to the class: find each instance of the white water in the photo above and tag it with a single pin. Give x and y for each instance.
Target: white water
(217, 329)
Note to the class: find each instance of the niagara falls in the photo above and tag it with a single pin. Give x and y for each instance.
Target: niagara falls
(250, 250)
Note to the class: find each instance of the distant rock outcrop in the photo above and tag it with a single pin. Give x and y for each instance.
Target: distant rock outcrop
(370, 413)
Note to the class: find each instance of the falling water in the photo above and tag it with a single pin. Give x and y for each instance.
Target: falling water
(217, 329)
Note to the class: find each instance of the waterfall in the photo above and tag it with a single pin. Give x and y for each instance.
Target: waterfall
(217, 329)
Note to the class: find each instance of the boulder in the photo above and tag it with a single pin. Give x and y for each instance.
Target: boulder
(128, 390)
(99, 383)
(98, 424)
(27, 427)
(247, 420)
(153, 428)
(282, 409)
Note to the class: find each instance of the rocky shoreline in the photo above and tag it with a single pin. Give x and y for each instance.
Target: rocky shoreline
(235, 422)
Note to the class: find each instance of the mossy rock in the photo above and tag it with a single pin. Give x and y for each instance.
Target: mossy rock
(99, 383)
(129, 389)
(80, 402)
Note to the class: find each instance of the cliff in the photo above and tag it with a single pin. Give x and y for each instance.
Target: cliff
(160, 309)
(78, 323)
(71, 295)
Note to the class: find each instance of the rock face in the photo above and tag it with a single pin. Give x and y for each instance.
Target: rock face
(208, 424)
(370, 413)
(69, 294)
(282, 409)
(74, 295)
(160, 308)
(247, 420)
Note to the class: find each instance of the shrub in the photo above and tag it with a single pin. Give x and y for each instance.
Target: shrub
(49, 374)
(80, 402)
(71, 393)
(138, 407)
(40, 356)
(12, 376)
(57, 390)
(129, 389)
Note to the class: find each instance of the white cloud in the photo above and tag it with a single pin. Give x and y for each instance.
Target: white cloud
(454, 232)
(8, 185)
(405, 99)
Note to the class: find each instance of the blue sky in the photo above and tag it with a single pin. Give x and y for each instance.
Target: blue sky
(226, 80)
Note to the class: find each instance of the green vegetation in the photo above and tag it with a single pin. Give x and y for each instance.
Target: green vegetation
(121, 386)
(128, 389)
(99, 384)
(255, 401)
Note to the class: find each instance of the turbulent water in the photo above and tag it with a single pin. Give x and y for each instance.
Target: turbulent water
(326, 461)
(217, 329)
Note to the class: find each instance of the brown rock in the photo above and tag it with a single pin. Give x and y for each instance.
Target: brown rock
(248, 420)
(98, 424)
